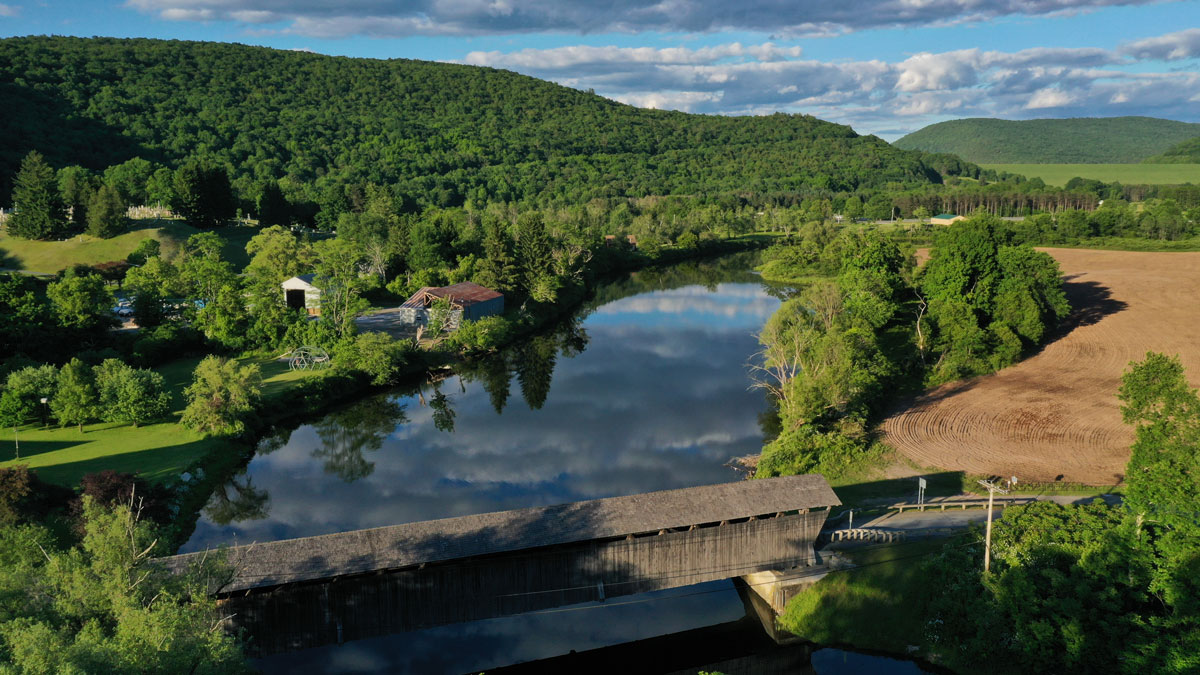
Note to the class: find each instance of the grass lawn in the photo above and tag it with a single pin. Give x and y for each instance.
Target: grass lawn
(877, 606)
(157, 451)
(1059, 174)
(48, 257)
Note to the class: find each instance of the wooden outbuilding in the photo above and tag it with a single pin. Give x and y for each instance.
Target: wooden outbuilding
(300, 293)
(473, 300)
(945, 219)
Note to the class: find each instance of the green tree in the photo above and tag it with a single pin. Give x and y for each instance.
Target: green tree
(378, 355)
(146, 249)
(222, 393)
(77, 185)
(106, 213)
(202, 194)
(987, 302)
(534, 253)
(38, 211)
(224, 319)
(338, 263)
(498, 267)
(203, 273)
(130, 395)
(130, 179)
(108, 605)
(275, 255)
(271, 206)
(81, 301)
(75, 400)
(1163, 474)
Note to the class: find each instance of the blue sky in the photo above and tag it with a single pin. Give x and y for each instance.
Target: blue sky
(882, 66)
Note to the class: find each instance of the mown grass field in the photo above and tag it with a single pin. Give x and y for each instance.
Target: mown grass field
(48, 257)
(1059, 174)
(156, 451)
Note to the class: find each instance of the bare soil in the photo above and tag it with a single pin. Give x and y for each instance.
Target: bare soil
(1055, 416)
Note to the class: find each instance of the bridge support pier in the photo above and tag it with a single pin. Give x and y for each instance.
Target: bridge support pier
(767, 593)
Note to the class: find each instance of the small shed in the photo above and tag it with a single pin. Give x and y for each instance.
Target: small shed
(473, 300)
(945, 219)
(300, 293)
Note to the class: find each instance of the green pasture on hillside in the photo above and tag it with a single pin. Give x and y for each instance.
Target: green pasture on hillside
(1150, 174)
(155, 451)
(48, 257)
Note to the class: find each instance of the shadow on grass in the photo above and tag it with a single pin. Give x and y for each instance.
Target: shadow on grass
(8, 261)
(153, 464)
(31, 448)
(938, 484)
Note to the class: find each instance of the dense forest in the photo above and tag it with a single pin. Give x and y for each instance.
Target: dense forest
(1081, 140)
(1187, 152)
(443, 133)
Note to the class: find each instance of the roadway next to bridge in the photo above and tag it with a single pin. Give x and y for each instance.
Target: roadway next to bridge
(954, 516)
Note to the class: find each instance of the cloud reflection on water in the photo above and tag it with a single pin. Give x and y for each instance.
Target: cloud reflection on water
(658, 399)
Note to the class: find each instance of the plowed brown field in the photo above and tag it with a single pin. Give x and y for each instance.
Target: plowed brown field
(1056, 415)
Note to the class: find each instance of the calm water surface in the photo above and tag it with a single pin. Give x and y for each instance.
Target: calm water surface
(645, 392)
(645, 389)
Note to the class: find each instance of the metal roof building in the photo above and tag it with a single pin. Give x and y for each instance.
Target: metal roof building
(474, 300)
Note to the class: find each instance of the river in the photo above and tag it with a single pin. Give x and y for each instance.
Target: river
(646, 388)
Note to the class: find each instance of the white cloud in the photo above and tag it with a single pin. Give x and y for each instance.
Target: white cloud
(1049, 98)
(1184, 44)
(9, 10)
(757, 79)
(319, 18)
(949, 70)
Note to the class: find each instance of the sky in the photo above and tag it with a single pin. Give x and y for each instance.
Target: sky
(885, 67)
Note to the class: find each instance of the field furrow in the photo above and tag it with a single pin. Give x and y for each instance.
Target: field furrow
(1056, 415)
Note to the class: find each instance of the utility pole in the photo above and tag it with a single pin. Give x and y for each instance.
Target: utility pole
(987, 537)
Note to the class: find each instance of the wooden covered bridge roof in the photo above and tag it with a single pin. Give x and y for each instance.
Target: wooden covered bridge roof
(387, 548)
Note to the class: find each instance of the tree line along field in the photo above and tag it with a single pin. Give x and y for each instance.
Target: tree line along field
(1129, 174)
(1055, 415)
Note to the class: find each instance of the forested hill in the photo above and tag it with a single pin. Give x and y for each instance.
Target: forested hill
(1080, 140)
(444, 132)
(1187, 152)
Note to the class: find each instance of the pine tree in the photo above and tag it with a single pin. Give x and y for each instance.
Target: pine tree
(497, 269)
(75, 400)
(106, 213)
(202, 194)
(38, 209)
(534, 255)
(76, 185)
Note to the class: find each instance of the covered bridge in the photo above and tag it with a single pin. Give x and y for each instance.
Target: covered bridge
(300, 293)
(408, 576)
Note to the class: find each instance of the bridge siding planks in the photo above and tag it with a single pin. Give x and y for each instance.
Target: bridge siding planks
(306, 559)
(305, 616)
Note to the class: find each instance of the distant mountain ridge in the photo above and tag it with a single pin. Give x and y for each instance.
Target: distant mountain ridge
(1187, 152)
(442, 133)
(1078, 140)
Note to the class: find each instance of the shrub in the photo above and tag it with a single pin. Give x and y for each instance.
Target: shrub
(114, 488)
(482, 335)
(378, 355)
(24, 497)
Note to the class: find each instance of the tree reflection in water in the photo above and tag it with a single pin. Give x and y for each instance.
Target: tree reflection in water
(237, 500)
(443, 414)
(347, 433)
